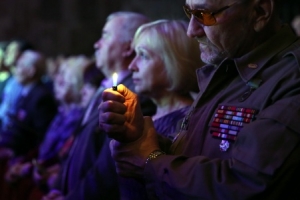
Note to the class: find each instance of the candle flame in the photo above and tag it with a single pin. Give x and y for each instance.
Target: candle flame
(115, 79)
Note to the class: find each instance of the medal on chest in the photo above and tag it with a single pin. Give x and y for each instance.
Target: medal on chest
(227, 123)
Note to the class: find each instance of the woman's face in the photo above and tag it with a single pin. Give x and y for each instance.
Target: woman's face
(149, 73)
(63, 87)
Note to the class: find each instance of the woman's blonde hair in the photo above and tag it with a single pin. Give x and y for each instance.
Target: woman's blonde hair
(71, 71)
(179, 53)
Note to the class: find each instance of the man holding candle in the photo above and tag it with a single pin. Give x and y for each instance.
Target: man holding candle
(241, 137)
(89, 171)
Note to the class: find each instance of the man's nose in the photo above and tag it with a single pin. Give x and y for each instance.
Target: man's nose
(195, 28)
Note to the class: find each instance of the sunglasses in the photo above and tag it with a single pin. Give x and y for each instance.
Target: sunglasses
(205, 17)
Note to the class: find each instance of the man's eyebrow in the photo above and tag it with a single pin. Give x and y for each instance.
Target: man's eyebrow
(198, 6)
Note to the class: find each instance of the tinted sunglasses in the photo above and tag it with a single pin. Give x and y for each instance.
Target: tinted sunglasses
(205, 17)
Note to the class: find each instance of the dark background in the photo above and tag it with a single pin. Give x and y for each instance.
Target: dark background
(70, 27)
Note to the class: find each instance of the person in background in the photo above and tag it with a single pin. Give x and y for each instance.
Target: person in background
(241, 137)
(92, 78)
(296, 24)
(4, 77)
(4, 71)
(12, 88)
(67, 86)
(3, 46)
(89, 171)
(35, 109)
(163, 52)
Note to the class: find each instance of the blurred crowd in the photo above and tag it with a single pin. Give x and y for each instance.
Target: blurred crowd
(50, 143)
(41, 101)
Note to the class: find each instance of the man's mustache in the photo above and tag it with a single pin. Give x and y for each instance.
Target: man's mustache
(202, 40)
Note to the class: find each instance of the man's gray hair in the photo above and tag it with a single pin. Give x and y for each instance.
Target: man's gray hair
(131, 22)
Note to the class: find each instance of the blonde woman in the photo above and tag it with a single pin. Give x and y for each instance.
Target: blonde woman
(68, 83)
(164, 70)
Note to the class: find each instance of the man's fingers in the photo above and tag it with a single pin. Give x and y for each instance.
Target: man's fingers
(112, 118)
(113, 131)
(127, 93)
(112, 106)
(110, 94)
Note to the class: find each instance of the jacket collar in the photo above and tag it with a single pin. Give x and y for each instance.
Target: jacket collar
(251, 63)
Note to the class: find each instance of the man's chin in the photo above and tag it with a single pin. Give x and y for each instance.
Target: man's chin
(208, 59)
(211, 57)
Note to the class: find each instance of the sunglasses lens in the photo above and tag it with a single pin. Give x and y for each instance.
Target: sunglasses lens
(208, 19)
(205, 18)
(199, 16)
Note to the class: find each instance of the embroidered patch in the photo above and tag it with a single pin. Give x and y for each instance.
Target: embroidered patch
(227, 123)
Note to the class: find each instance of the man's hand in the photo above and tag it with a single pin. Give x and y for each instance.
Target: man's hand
(120, 115)
(131, 157)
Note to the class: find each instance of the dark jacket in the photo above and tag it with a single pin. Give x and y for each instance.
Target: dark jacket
(241, 139)
(34, 113)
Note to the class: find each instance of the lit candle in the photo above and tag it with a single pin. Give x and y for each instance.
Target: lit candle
(115, 81)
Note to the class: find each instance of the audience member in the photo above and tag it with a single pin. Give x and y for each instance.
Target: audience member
(3, 45)
(35, 109)
(89, 171)
(159, 70)
(12, 88)
(163, 51)
(240, 139)
(14, 50)
(296, 24)
(92, 79)
(67, 86)
(4, 71)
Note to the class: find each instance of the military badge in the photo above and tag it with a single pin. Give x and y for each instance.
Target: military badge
(228, 121)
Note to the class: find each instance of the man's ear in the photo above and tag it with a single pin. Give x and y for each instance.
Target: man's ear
(264, 10)
(128, 50)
